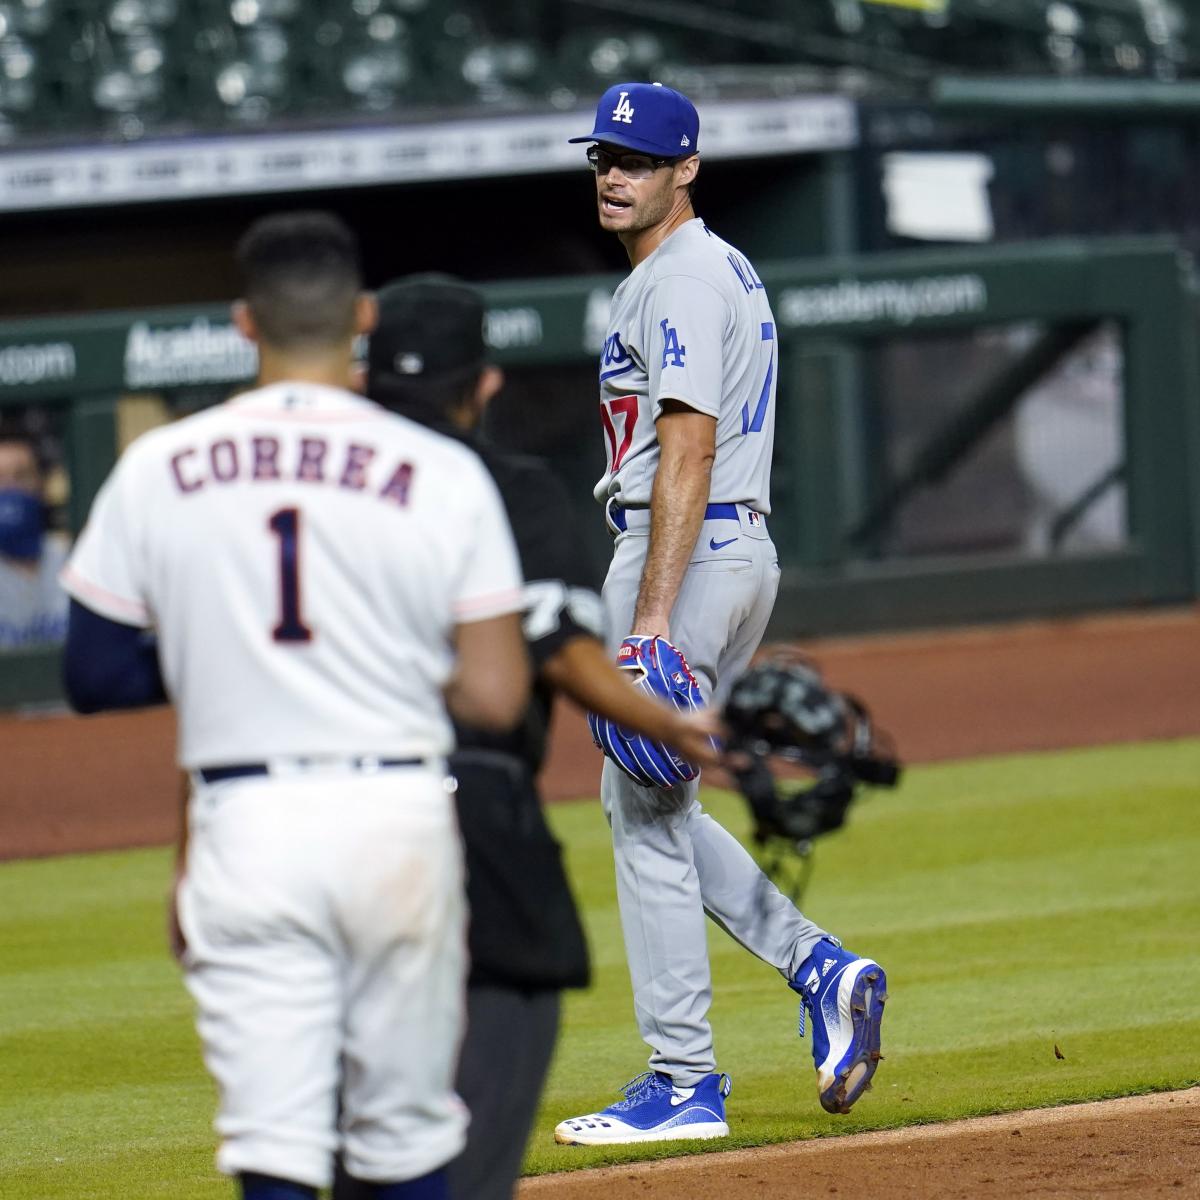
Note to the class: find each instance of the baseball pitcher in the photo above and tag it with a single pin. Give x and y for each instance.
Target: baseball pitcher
(687, 405)
(320, 573)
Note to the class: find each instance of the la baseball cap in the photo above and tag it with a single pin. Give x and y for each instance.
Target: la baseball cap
(649, 117)
(430, 327)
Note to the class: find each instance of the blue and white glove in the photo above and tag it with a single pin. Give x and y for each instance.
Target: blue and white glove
(660, 670)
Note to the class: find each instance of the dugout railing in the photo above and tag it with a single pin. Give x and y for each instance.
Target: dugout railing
(923, 399)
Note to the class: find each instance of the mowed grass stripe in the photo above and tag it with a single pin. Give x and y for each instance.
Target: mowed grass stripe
(1017, 903)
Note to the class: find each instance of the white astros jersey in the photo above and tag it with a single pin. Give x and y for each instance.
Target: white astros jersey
(303, 556)
(691, 323)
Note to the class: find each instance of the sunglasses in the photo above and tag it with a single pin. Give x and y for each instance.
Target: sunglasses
(632, 166)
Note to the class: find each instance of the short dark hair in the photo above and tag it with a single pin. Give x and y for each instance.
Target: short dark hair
(10, 431)
(301, 276)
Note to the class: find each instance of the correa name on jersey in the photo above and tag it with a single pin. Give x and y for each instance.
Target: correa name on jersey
(268, 458)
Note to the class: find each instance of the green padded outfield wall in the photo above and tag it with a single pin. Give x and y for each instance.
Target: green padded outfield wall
(826, 309)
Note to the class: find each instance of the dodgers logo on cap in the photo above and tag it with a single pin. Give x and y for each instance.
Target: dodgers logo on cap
(649, 117)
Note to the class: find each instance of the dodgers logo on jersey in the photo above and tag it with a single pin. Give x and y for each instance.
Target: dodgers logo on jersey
(615, 359)
(624, 110)
(671, 347)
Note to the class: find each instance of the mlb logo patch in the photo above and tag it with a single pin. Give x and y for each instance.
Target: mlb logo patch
(755, 519)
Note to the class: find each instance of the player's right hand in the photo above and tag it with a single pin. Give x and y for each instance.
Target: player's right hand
(694, 737)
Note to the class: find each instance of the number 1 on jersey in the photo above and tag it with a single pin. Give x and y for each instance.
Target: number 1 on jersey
(285, 524)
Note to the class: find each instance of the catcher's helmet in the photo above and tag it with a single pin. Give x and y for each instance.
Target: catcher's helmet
(784, 709)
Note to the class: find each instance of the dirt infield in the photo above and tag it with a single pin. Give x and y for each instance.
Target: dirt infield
(75, 784)
(1033, 686)
(1144, 1146)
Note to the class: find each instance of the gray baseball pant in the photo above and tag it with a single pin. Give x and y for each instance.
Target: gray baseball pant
(674, 863)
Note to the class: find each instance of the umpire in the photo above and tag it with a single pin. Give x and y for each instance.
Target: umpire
(427, 361)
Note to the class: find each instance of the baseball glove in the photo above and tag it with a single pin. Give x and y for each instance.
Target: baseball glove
(660, 670)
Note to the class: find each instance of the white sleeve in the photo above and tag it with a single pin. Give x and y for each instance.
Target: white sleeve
(490, 583)
(687, 320)
(106, 569)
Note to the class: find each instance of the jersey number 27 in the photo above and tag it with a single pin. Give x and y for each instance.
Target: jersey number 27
(626, 409)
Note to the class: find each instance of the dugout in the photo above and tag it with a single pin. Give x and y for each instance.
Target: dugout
(962, 436)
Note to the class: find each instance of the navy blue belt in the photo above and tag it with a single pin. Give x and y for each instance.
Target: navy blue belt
(243, 770)
(712, 512)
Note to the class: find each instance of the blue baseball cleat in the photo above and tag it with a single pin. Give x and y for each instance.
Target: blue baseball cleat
(844, 995)
(654, 1110)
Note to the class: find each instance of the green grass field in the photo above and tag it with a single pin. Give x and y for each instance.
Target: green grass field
(1017, 903)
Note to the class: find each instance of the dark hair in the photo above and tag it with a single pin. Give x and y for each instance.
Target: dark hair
(430, 401)
(301, 276)
(10, 431)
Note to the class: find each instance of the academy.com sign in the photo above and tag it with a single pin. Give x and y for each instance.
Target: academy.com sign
(200, 352)
(853, 301)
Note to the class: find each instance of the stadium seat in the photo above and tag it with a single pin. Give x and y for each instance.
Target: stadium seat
(20, 76)
(132, 66)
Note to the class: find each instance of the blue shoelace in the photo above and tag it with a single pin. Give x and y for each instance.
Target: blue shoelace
(640, 1088)
(804, 1002)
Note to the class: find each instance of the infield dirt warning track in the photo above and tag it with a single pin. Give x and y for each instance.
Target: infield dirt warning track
(1139, 1146)
(74, 784)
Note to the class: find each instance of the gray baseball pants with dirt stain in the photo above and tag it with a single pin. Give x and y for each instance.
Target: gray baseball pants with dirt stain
(674, 863)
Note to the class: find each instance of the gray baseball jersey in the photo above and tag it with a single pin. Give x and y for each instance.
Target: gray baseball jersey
(690, 323)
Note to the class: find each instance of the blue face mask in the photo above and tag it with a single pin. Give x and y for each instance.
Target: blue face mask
(20, 524)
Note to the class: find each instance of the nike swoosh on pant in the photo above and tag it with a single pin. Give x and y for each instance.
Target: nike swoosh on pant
(713, 544)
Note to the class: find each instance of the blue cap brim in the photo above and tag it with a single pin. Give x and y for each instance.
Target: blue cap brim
(631, 143)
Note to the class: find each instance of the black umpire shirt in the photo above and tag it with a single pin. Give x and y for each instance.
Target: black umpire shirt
(525, 932)
(561, 601)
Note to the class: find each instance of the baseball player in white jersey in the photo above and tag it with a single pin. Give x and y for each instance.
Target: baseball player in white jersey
(687, 405)
(319, 573)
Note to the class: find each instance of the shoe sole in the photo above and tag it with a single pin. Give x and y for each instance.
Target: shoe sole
(679, 1133)
(867, 999)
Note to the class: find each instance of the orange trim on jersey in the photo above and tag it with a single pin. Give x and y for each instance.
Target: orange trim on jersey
(288, 414)
(134, 610)
(496, 604)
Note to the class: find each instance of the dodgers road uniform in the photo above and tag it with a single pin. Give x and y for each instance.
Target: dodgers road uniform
(692, 322)
(303, 559)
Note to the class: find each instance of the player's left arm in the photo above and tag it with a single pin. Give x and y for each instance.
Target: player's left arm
(688, 320)
(687, 448)
(110, 659)
(109, 665)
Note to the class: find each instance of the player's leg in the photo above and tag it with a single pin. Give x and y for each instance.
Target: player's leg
(434, 1186)
(662, 920)
(842, 993)
(266, 1187)
(505, 1057)
(663, 923)
(403, 917)
(735, 892)
(658, 892)
(265, 978)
